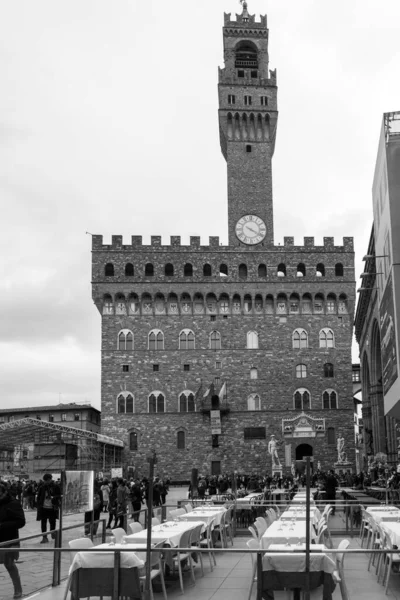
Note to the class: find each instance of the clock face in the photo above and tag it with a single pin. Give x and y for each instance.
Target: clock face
(250, 229)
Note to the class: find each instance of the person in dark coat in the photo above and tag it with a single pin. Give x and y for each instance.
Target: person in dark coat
(12, 518)
(330, 488)
(48, 503)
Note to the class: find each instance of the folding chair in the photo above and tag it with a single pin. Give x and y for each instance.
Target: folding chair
(253, 545)
(135, 527)
(340, 556)
(195, 542)
(119, 534)
(180, 557)
(207, 542)
(157, 570)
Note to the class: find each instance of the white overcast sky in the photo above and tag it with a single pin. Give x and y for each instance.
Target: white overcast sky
(108, 124)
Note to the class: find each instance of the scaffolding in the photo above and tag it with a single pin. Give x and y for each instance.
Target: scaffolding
(37, 446)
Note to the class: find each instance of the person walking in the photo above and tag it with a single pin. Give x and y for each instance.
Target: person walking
(122, 503)
(105, 489)
(330, 488)
(12, 518)
(48, 502)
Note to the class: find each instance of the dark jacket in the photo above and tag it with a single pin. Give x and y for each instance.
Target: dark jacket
(12, 518)
(55, 494)
(330, 486)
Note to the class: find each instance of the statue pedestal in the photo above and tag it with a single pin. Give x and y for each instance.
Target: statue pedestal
(344, 466)
(277, 470)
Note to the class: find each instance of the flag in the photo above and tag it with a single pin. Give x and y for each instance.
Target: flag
(197, 394)
(222, 391)
(209, 392)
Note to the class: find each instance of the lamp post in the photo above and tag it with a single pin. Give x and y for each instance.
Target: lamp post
(152, 460)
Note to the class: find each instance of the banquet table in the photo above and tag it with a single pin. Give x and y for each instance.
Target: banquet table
(249, 499)
(392, 528)
(92, 572)
(287, 570)
(286, 531)
(302, 499)
(386, 514)
(300, 515)
(169, 532)
(204, 515)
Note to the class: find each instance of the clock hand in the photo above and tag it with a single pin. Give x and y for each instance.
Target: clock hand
(251, 229)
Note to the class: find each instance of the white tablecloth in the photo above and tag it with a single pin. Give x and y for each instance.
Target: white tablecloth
(204, 515)
(384, 515)
(381, 508)
(301, 499)
(291, 561)
(249, 499)
(393, 530)
(300, 515)
(169, 532)
(284, 531)
(92, 559)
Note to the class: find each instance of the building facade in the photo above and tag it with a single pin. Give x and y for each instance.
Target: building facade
(209, 350)
(27, 458)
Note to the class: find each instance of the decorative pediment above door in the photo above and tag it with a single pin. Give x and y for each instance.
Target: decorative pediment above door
(303, 426)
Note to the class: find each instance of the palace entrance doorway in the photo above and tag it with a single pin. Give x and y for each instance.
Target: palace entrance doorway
(302, 451)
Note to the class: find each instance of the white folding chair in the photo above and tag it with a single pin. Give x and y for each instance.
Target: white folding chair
(135, 527)
(180, 557)
(195, 542)
(188, 507)
(207, 542)
(155, 521)
(253, 545)
(340, 556)
(119, 534)
(157, 570)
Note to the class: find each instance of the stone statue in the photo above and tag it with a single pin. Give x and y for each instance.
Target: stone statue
(340, 449)
(272, 450)
(293, 470)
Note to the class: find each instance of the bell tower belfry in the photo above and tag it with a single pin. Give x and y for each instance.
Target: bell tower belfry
(247, 122)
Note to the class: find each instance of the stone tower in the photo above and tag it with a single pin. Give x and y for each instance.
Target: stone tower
(266, 327)
(247, 123)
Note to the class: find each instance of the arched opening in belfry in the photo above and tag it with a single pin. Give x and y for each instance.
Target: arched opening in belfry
(246, 55)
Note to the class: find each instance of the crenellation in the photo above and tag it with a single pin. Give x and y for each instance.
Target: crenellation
(288, 241)
(214, 242)
(195, 242)
(137, 240)
(348, 243)
(329, 243)
(116, 242)
(175, 240)
(97, 242)
(156, 240)
(309, 242)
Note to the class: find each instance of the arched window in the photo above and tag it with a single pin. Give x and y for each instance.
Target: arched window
(109, 270)
(133, 441)
(269, 305)
(328, 370)
(236, 305)
(252, 340)
(299, 339)
(320, 270)
(329, 400)
(253, 373)
(262, 271)
(223, 270)
(186, 402)
(326, 338)
(133, 304)
(198, 304)
(186, 339)
(156, 402)
(339, 270)
(125, 339)
(242, 271)
(281, 270)
(281, 304)
(331, 304)
(147, 304)
(125, 403)
(215, 340)
(301, 270)
(188, 270)
(169, 270)
(302, 399)
(149, 270)
(108, 306)
(301, 371)
(207, 270)
(253, 402)
(156, 340)
(129, 270)
(159, 304)
(180, 440)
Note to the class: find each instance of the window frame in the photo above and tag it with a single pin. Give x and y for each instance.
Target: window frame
(300, 332)
(215, 342)
(125, 395)
(254, 400)
(302, 369)
(187, 401)
(156, 394)
(324, 339)
(332, 396)
(252, 340)
(185, 342)
(125, 341)
(302, 391)
(158, 342)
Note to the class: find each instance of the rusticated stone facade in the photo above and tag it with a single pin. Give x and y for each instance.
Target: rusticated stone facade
(268, 327)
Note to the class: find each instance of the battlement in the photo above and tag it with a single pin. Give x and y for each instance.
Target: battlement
(117, 245)
(246, 20)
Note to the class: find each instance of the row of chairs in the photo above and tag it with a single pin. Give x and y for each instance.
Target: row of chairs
(378, 539)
